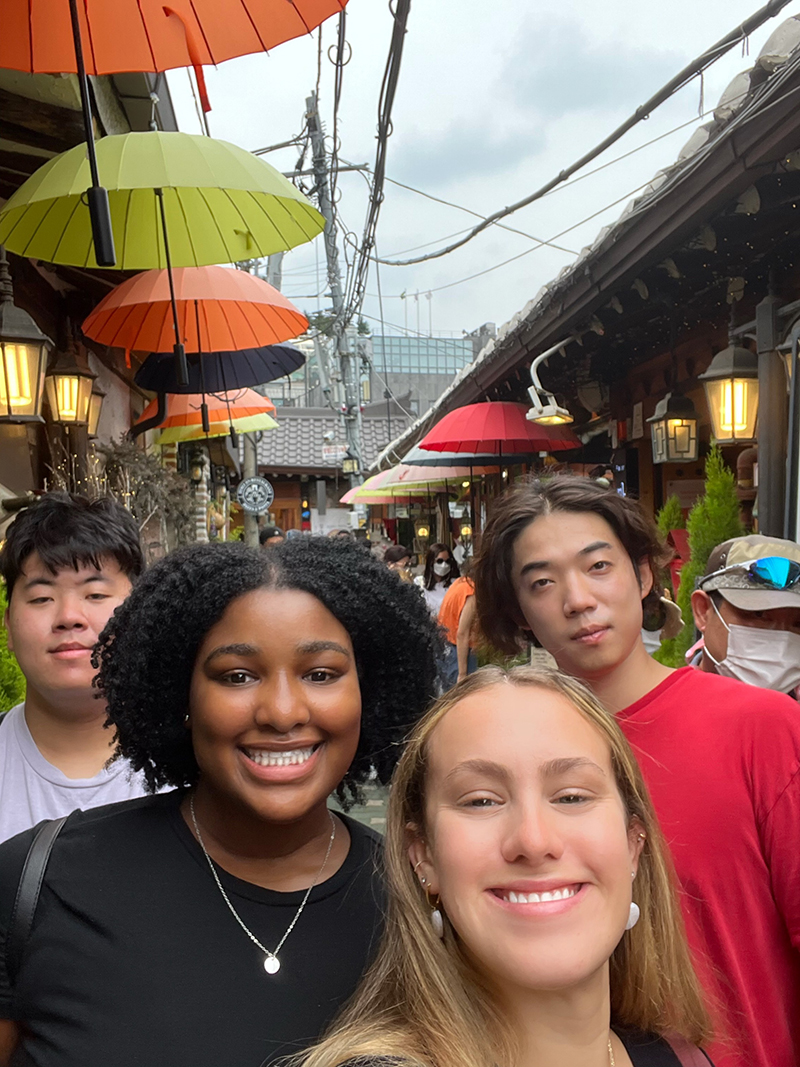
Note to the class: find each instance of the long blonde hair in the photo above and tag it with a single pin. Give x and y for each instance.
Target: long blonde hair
(424, 1003)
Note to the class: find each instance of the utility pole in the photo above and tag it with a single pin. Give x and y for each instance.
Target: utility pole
(348, 360)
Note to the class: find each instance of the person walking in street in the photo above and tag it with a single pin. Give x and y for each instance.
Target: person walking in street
(532, 920)
(398, 559)
(571, 564)
(458, 619)
(226, 921)
(270, 536)
(441, 570)
(67, 564)
(747, 607)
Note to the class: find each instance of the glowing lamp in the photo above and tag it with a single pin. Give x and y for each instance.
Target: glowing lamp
(674, 430)
(23, 356)
(69, 388)
(423, 531)
(731, 385)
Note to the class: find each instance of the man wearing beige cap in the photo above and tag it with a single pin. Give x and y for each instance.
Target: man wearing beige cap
(747, 606)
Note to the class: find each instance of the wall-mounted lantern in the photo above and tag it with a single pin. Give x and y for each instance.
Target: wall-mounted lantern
(731, 385)
(69, 387)
(23, 356)
(674, 430)
(95, 407)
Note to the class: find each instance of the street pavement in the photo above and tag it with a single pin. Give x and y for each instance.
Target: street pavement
(372, 812)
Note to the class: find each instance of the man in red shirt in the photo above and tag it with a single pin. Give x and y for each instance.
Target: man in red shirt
(572, 563)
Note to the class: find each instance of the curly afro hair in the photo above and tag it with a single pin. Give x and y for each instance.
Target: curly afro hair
(147, 652)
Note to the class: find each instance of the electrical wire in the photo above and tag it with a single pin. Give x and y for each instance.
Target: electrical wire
(357, 287)
(684, 77)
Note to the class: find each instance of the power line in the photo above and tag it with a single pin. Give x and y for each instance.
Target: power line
(400, 12)
(689, 72)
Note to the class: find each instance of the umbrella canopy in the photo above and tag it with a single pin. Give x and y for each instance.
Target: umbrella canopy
(128, 35)
(218, 310)
(246, 411)
(417, 457)
(221, 204)
(498, 427)
(217, 372)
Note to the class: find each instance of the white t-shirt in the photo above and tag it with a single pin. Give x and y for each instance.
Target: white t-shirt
(435, 596)
(32, 789)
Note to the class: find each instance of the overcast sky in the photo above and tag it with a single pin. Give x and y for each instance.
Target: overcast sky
(494, 98)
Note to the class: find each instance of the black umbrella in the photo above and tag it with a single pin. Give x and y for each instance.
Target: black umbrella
(217, 372)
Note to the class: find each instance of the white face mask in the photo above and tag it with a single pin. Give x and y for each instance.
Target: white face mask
(441, 569)
(651, 640)
(769, 659)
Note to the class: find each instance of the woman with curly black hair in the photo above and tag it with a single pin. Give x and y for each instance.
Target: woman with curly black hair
(223, 923)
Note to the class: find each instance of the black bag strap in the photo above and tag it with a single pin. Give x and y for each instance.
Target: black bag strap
(3, 715)
(30, 884)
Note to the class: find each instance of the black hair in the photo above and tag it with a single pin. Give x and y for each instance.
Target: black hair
(147, 652)
(499, 615)
(67, 530)
(394, 553)
(429, 577)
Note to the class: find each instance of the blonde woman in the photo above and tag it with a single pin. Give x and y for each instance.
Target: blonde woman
(532, 921)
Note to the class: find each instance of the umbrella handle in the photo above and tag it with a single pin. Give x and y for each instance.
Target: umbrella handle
(102, 234)
(181, 366)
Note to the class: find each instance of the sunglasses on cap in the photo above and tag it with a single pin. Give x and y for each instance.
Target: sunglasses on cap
(771, 572)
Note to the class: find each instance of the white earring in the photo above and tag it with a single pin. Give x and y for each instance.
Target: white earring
(633, 916)
(437, 922)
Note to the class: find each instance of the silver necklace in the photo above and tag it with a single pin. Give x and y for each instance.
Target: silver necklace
(271, 962)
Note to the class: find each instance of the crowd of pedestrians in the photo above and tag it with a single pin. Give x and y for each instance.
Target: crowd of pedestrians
(589, 866)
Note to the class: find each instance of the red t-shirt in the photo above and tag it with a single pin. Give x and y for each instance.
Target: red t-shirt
(722, 762)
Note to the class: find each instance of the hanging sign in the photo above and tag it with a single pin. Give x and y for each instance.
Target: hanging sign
(255, 495)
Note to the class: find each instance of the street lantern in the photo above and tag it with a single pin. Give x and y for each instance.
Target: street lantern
(23, 356)
(674, 430)
(731, 385)
(95, 407)
(69, 387)
(423, 530)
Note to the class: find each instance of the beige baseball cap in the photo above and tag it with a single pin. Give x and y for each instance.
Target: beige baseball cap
(733, 557)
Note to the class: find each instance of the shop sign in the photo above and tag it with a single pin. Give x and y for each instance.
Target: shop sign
(255, 495)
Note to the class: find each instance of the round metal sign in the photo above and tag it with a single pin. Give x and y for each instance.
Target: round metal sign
(255, 495)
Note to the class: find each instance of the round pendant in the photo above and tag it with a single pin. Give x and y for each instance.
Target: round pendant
(272, 964)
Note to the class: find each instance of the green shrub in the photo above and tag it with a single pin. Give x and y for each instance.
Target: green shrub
(713, 519)
(670, 517)
(12, 681)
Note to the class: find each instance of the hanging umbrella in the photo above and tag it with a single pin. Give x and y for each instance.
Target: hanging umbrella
(219, 310)
(244, 411)
(217, 203)
(216, 372)
(48, 37)
(174, 197)
(128, 35)
(498, 427)
(417, 457)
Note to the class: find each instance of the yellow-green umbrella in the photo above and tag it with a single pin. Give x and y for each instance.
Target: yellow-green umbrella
(247, 424)
(221, 204)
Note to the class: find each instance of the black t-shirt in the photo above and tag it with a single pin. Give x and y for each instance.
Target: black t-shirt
(134, 959)
(645, 1050)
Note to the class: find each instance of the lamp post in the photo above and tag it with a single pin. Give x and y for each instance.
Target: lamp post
(674, 430)
(23, 356)
(545, 409)
(731, 386)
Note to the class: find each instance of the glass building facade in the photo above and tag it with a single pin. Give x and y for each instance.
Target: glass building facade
(421, 355)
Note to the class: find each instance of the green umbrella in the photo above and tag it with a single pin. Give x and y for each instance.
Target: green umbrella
(221, 204)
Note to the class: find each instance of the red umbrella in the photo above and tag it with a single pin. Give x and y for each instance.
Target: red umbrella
(496, 427)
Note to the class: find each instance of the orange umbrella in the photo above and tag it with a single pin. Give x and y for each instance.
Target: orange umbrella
(113, 36)
(241, 410)
(219, 310)
(149, 35)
